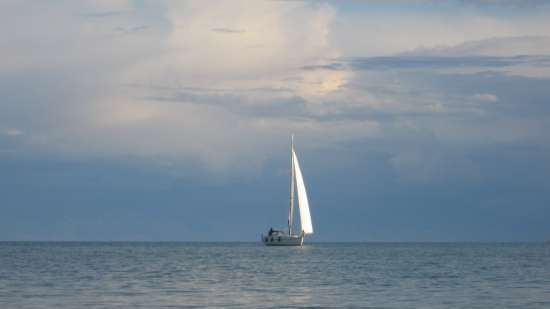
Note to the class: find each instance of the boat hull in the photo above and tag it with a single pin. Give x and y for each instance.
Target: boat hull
(283, 240)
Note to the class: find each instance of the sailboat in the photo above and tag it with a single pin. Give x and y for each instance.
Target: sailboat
(288, 237)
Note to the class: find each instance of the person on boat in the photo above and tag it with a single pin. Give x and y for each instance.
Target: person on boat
(270, 231)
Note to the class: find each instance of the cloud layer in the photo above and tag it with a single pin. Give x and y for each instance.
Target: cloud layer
(196, 81)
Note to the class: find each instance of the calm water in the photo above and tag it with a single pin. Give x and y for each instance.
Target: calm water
(248, 275)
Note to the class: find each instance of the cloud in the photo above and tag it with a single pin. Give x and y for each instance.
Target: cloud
(532, 4)
(495, 46)
(104, 14)
(430, 62)
(228, 30)
(485, 97)
(185, 83)
(132, 29)
(12, 132)
(429, 26)
(264, 90)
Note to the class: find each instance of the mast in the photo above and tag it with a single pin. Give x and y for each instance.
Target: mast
(291, 206)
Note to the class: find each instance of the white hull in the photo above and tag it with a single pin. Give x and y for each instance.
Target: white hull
(283, 240)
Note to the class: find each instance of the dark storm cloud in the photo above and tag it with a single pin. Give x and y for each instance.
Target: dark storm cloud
(432, 62)
(235, 101)
(419, 89)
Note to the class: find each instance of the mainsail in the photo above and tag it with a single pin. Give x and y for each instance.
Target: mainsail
(303, 204)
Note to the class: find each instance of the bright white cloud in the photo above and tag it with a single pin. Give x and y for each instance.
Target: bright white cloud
(225, 45)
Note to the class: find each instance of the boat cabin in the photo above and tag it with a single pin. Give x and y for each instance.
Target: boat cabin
(273, 232)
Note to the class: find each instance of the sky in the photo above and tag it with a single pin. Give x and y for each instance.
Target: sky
(171, 120)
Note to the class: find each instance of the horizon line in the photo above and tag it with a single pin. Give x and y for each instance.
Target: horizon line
(309, 242)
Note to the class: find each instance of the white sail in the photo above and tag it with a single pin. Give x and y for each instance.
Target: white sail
(303, 204)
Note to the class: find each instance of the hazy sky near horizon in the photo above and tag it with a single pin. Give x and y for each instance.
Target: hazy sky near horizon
(171, 120)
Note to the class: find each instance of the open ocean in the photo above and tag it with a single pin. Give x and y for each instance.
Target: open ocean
(249, 275)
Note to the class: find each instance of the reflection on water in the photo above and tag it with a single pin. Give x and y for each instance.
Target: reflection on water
(249, 275)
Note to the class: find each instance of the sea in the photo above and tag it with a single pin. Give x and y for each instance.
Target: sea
(250, 275)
